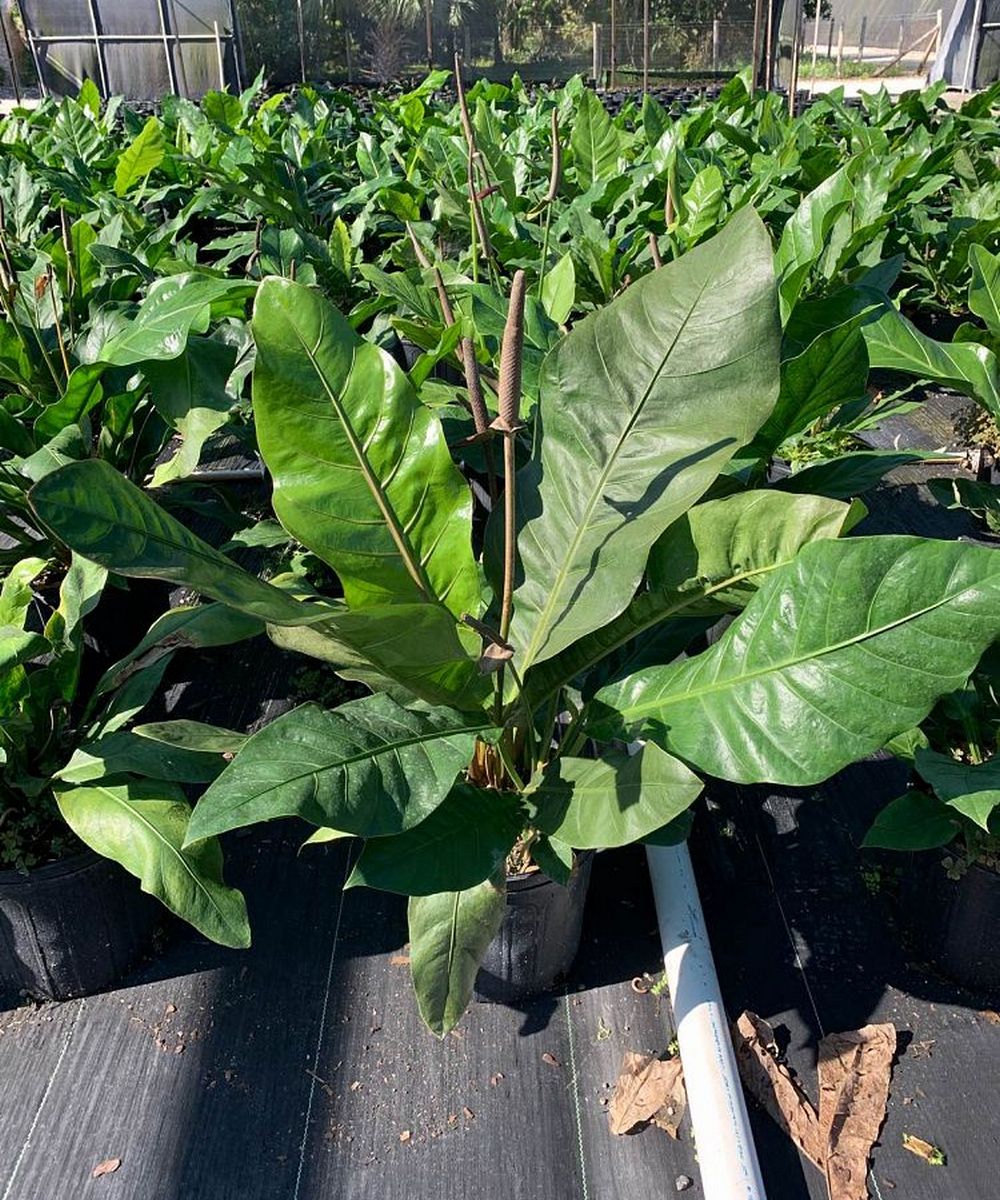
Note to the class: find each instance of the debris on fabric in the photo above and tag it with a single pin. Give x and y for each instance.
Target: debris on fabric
(649, 1091)
(854, 1071)
(931, 1154)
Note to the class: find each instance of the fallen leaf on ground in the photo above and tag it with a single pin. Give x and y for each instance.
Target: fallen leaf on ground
(495, 1078)
(991, 1016)
(405, 1135)
(550, 1059)
(854, 1070)
(399, 960)
(648, 1090)
(772, 1086)
(105, 1168)
(925, 1150)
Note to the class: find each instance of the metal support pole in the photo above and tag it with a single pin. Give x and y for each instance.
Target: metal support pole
(829, 42)
(101, 68)
(220, 55)
(769, 52)
(819, 6)
(970, 58)
(840, 49)
(241, 65)
(613, 54)
(861, 39)
(302, 39)
(595, 65)
(428, 31)
(171, 70)
(33, 48)
(645, 46)
(715, 44)
(14, 76)
(793, 79)
(758, 20)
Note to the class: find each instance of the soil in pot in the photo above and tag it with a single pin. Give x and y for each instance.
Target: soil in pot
(954, 921)
(70, 928)
(539, 938)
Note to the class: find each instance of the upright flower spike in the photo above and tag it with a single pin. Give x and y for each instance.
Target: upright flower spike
(511, 350)
(508, 423)
(555, 177)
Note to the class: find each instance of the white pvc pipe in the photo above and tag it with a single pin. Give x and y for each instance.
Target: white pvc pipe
(727, 1158)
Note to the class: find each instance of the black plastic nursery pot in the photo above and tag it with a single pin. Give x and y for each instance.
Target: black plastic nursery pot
(955, 923)
(539, 937)
(71, 928)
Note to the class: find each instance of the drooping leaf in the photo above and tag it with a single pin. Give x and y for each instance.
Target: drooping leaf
(847, 646)
(464, 841)
(125, 754)
(362, 473)
(193, 735)
(973, 789)
(368, 767)
(449, 934)
(913, 821)
(141, 825)
(613, 800)
(101, 515)
(850, 474)
(896, 344)
(627, 443)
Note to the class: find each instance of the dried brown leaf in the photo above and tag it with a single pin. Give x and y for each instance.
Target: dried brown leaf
(854, 1070)
(551, 1059)
(774, 1089)
(399, 960)
(107, 1167)
(648, 1089)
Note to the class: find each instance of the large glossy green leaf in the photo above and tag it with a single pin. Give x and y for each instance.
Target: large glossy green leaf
(142, 827)
(449, 934)
(709, 562)
(847, 646)
(642, 405)
(465, 840)
(595, 141)
(973, 789)
(362, 473)
(614, 800)
(101, 515)
(895, 343)
(368, 767)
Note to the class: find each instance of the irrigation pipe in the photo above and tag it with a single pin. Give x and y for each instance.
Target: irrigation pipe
(727, 1158)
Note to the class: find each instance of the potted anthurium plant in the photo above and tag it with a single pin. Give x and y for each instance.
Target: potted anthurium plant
(80, 792)
(506, 683)
(947, 818)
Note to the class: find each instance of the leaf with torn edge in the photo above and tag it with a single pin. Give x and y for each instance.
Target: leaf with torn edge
(772, 1086)
(648, 1090)
(854, 1070)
